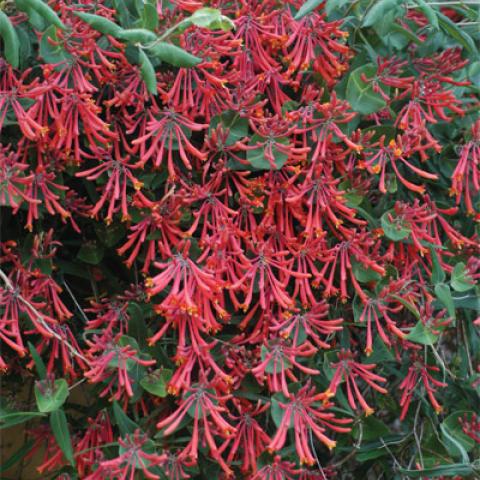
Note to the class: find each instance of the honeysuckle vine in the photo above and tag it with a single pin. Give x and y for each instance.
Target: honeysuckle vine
(247, 232)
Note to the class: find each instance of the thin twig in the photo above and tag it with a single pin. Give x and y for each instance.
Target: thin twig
(79, 308)
(416, 436)
(41, 320)
(76, 384)
(312, 446)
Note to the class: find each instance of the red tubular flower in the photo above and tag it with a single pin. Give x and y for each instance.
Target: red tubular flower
(135, 456)
(110, 316)
(272, 135)
(14, 179)
(194, 359)
(119, 173)
(268, 283)
(471, 427)
(166, 131)
(466, 176)
(306, 256)
(57, 348)
(278, 470)
(321, 121)
(277, 361)
(13, 301)
(12, 92)
(306, 413)
(43, 185)
(76, 108)
(308, 324)
(373, 311)
(201, 91)
(175, 464)
(159, 219)
(189, 281)
(349, 370)
(390, 155)
(419, 371)
(250, 437)
(313, 34)
(252, 28)
(340, 255)
(213, 213)
(98, 433)
(205, 407)
(46, 444)
(326, 206)
(110, 361)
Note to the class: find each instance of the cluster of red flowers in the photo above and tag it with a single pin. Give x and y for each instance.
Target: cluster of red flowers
(244, 189)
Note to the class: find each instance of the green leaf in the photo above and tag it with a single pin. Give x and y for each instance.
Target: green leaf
(452, 30)
(363, 274)
(11, 45)
(449, 470)
(137, 327)
(380, 354)
(403, 32)
(156, 382)
(237, 126)
(101, 24)
(361, 95)
(451, 441)
(460, 280)
(51, 397)
(211, 18)
(125, 424)
(17, 456)
(59, 424)
(9, 419)
(470, 301)
(173, 55)
(366, 455)
(257, 158)
(334, 5)
(421, 334)
(149, 15)
(378, 11)
(372, 429)
(91, 253)
(273, 366)
(37, 359)
(395, 230)
(443, 293)
(454, 428)
(306, 8)
(276, 411)
(43, 10)
(389, 131)
(137, 35)
(438, 274)
(148, 73)
(52, 52)
(429, 13)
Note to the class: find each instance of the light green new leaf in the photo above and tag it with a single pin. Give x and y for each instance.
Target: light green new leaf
(306, 8)
(50, 399)
(460, 280)
(443, 293)
(211, 18)
(378, 11)
(360, 94)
